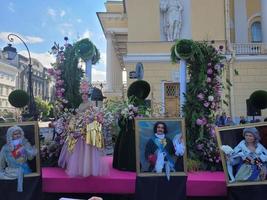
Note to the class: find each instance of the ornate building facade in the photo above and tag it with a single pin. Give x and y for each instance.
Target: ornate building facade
(14, 75)
(143, 31)
(8, 82)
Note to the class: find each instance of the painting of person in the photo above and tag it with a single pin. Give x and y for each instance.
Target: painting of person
(247, 160)
(162, 153)
(15, 154)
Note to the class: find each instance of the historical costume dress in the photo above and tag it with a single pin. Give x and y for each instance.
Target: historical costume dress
(124, 157)
(159, 152)
(82, 153)
(250, 169)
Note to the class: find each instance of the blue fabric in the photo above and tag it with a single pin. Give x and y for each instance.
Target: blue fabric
(162, 149)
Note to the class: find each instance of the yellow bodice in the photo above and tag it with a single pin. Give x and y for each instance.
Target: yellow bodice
(94, 134)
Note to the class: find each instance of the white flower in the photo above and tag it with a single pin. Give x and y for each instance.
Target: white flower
(210, 98)
(227, 149)
(130, 106)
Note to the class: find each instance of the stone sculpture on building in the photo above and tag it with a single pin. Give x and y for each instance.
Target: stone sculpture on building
(171, 11)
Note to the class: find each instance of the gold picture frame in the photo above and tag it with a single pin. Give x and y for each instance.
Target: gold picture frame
(232, 136)
(144, 132)
(31, 133)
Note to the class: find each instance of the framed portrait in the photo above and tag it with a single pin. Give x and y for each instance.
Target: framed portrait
(243, 151)
(160, 146)
(19, 145)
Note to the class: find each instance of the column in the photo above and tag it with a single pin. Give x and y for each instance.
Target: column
(241, 26)
(186, 32)
(182, 85)
(227, 26)
(113, 71)
(109, 61)
(264, 20)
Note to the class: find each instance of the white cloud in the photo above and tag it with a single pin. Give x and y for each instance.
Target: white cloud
(103, 58)
(66, 29)
(79, 20)
(10, 7)
(51, 12)
(87, 34)
(55, 13)
(27, 39)
(45, 58)
(31, 39)
(98, 75)
(62, 13)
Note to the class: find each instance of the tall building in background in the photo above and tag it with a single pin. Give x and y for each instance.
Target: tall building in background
(14, 75)
(43, 84)
(8, 82)
(143, 31)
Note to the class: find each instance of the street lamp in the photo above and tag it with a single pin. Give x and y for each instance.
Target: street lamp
(10, 53)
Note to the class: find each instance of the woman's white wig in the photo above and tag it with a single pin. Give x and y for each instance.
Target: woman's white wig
(254, 132)
(10, 132)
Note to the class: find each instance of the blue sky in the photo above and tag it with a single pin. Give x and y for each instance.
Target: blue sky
(42, 22)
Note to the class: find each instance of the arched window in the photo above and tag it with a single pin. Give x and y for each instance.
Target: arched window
(256, 32)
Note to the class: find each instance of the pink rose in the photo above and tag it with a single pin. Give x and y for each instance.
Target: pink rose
(206, 104)
(209, 71)
(200, 96)
(199, 122)
(208, 80)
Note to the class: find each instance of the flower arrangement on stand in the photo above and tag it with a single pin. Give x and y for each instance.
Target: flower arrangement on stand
(203, 98)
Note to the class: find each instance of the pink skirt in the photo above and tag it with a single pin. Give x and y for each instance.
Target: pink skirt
(85, 160)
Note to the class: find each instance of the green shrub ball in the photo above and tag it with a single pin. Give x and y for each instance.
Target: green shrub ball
(184, 49)
(139, 89)
(18, 98)
(259, 99)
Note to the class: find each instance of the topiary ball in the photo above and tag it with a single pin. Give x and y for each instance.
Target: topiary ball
(139, 89)
(259, 99)
(18, 98)
(184, 49)
(85, 49)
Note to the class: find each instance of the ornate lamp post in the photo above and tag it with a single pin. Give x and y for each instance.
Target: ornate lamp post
(10, 53)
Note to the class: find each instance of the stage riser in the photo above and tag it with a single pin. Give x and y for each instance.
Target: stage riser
(55, 180)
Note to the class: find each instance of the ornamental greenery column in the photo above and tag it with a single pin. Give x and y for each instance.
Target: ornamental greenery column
(88, 52)
(202, 97)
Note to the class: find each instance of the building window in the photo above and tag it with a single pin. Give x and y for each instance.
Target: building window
(256, 32)
(6, 91)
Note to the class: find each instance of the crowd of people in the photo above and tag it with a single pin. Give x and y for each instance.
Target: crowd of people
(224, 120)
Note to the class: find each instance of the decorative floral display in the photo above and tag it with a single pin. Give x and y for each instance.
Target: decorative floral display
(203, 97)
(84, 87)
(68, 74)
(208, 150)
(126, 109)
(60, 100)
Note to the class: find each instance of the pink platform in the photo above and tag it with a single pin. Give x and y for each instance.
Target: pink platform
(55, 180)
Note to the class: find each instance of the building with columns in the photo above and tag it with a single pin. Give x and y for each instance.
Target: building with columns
(142, 31)
(43, 85)
(14, 75)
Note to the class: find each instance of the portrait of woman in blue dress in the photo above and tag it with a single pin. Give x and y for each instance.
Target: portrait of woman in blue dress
(249, 158)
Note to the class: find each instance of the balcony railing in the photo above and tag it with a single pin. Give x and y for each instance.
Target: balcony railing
(249, 48)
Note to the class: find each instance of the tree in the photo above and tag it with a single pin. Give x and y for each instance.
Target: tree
(42, 106)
